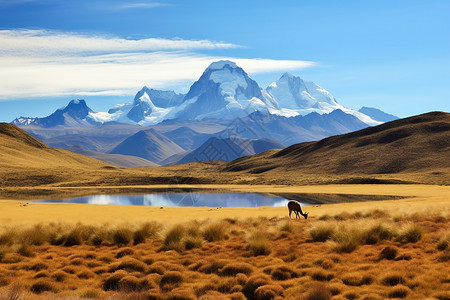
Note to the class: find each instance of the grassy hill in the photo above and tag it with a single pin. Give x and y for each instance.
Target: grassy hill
(26, 160)
(416, 144)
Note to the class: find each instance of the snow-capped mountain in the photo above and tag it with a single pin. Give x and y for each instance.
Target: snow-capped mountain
(148, 107)
(75, 114)
(294, 96)
(224, 91)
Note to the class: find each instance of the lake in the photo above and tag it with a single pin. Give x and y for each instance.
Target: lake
(181, 200)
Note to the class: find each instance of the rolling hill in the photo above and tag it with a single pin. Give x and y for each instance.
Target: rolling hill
(223, 149)
(148, 144)
(118, 160)
(415, 144)
(24, 159)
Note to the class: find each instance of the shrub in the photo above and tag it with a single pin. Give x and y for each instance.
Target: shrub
(7, 236)
(346, 241)
(399, 291)
(90, 293)
(392, 279)
(258, 244)
(388, 253)
(215, 232)
(253, 283)
(42, 274)
(132, 284)
(318, 292)
(112, 282)
(283, 273)
(59, 276)
(25, 250)
(232, 269)
(321, 275)
(122, 236)
(410, 233)
(444, 242)
(146, 230)
(174, 235)
(287, 227)
(377, 232)
(124, 252)
(322, 232)
(36, 235)
(37, 266)
(41, 286)
(268, 292)
(171, 277)
(131, 264)
(192, 242)
(86, 274)
(73, 238)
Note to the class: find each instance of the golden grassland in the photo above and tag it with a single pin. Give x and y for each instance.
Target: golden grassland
(365, 250)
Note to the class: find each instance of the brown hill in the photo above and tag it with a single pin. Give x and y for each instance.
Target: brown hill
(26, 160)
(416, 144)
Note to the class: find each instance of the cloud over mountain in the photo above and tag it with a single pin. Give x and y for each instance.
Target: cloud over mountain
(106, 65)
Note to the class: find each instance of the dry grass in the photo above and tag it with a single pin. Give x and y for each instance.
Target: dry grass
(366, 255)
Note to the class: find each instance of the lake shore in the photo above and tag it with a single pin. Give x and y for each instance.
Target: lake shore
(20, 210)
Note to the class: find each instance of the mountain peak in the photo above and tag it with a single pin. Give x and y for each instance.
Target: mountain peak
(219, 65)
(288, 75)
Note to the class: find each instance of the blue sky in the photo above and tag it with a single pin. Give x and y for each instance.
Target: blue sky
(393, 55)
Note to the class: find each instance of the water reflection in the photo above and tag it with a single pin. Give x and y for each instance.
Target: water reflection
(182, 200)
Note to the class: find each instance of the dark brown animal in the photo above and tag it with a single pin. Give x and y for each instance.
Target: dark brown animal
(295, 207)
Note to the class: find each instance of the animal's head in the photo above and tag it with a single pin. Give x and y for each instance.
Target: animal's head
(306, 215)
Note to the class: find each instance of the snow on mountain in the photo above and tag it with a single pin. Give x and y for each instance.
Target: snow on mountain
(223, 91)
(292, 96)
(149, 107)
(75, 114)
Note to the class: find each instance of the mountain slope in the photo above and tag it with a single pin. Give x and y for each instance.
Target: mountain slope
(407, 145)
(24, 159)
(148, 144)
(187, 138)
(75, 114)
(377, 114)
(223, 149)
(224, 91)
(118, 160)
(294, 96)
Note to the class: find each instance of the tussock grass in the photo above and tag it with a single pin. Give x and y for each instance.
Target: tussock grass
(444, 241)
(348, 235)
(43, 285)
(399, 291)
(392, 279)
(258, 243)
(388, 253)
(227, 268)
(234, 268)
(283, 273)
(318, 292)
(253, 283)
(409, 233)
(215, 231)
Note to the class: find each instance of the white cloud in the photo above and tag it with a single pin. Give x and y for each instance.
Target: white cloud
(44, 42)
(66, 64)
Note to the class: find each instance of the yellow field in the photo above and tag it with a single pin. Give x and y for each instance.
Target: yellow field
(423, 198)
(360, 250)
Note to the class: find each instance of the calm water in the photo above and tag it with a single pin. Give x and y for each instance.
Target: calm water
(181, 199)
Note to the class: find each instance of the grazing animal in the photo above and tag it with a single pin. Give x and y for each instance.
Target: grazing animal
(295, 207)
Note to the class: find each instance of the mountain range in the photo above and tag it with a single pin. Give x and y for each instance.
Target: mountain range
(224, 103)
(410, 150)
